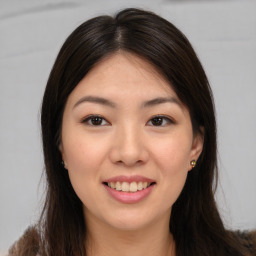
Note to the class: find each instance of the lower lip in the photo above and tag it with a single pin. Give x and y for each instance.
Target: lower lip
(129, 197)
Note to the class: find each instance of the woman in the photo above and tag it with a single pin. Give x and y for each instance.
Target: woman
(129, 141)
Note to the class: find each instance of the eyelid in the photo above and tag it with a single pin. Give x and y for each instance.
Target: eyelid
(167, 118)
(86, 119)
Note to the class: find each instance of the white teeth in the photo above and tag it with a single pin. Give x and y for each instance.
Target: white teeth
(125, 187)
(140, 186)
(112, 185)
(144, 185)
(129, 187)
(118, 186)
(133, 187)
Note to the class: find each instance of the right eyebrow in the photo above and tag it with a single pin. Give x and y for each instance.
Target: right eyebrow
(95, 99)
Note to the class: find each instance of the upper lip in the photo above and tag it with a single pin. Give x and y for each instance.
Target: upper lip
(129, 179)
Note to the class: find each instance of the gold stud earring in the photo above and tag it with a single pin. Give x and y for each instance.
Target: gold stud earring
(193, 163)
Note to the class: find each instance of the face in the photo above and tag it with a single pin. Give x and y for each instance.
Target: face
(127, 143)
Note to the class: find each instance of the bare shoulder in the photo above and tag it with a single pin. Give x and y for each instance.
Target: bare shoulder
(27, 245)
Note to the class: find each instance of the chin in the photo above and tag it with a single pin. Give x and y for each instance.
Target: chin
(129, 225)
(130, 222)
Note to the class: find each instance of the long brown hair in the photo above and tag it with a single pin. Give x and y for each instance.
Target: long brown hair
(195, 222)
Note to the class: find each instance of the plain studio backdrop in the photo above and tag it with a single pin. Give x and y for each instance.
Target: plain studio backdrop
(223, 34)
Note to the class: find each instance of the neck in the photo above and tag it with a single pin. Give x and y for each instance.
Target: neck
(153, 240)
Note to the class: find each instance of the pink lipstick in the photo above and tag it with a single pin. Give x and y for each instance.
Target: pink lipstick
(129, 189)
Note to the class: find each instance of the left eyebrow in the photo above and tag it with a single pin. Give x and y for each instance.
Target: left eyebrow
(160, 100)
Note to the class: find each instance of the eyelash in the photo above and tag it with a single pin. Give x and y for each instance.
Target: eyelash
(90, 118)
(160, 118)
(167, 120)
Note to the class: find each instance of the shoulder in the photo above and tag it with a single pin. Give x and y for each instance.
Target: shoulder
(27, 245)
(248, 240)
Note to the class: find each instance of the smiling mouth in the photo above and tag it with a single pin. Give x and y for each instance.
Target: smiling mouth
(131, 187)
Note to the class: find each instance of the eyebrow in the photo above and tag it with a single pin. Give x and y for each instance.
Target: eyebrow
(160, 100)
(96, 99)
(106, 102)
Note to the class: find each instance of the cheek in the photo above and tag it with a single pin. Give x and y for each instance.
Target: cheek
(83, 153)
(84, 156)
(173, 155)
(172, 158)
(84, 159)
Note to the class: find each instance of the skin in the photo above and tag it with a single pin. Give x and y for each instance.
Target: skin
(127, 142)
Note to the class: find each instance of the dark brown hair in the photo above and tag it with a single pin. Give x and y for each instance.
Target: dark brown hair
(195, 222)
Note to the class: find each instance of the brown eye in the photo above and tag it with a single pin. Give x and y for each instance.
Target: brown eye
(157, 121)
(95, 121)
(160, 121)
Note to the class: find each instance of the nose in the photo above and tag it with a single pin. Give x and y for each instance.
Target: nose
(129, 147)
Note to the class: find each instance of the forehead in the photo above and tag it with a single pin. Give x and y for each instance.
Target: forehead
(124, 75)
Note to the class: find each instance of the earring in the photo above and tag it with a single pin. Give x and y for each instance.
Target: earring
(63, 164)
(193, 163)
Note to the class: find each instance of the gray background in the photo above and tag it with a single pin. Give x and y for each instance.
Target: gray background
(31, 33)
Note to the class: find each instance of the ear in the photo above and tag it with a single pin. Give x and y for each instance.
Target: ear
(197, 146)
(62, 154)
(60, 146)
